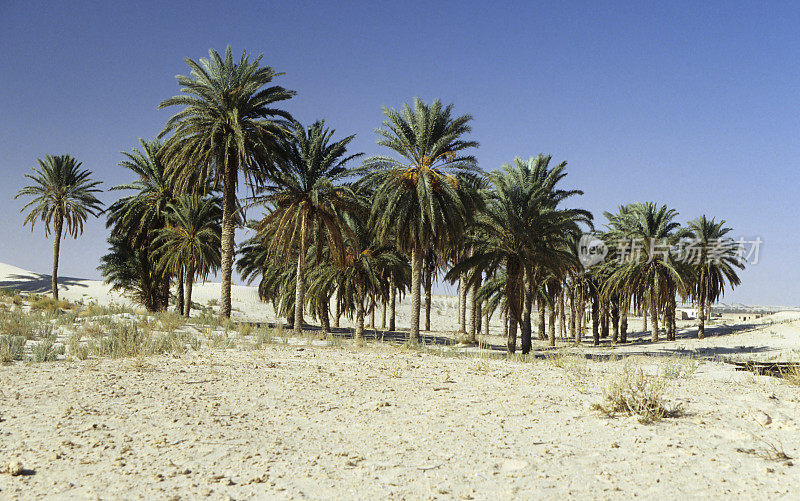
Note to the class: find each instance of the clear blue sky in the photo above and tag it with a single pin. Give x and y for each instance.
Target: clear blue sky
(693, 104)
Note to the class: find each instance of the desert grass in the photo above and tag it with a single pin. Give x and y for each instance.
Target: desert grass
(11, 348)
(632, 392)
(46, 351)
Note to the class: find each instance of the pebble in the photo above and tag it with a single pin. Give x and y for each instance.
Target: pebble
(763, 419)
(14, 468)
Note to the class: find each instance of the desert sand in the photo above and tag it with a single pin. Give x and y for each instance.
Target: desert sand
(308, 418)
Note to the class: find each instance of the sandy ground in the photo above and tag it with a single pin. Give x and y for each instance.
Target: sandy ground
(300, 420)
(377, 422)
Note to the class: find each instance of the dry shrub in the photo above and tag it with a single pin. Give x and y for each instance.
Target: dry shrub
(631, 392)
(792, 374)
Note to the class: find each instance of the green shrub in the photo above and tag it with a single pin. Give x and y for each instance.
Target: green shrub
(11, 348)
(46, 351)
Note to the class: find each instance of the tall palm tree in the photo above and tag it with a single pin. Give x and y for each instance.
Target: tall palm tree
(308, 198)
(134, 221)
(62, 193)
(191, 240)
(715, 260)
(227, 127)
(423, 201)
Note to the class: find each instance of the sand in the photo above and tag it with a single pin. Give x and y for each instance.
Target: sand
(301, 420)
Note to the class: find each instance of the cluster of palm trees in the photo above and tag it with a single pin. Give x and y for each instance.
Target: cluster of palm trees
(337, 229)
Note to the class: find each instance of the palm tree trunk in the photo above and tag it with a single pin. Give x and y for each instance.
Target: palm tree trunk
(338, 303)
(542, 309)
(473, 314)
(552, 332)
(623, 320)
(383, 313)
(701, 316)
(59, 225)
(615, 321)
(580, 310)
(359, 310)
(228, 233)
(372, 312)
(487, 317)
(392, 303)
(325, 319)
(527, 303)
(416, 276)
(562, 316)
(181, 305)
(572, 311)
(463, 290)
(654, 315)
(428, 286)
(511, 339)
(300, 285)
(603, 319)
(187, 309)
(479, 316)
(595, 319)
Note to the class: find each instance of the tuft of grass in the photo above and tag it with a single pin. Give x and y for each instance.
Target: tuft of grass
(11, 348)
(75, 348)
(18, 323)
(170, 321)
(46, 351)
(633, 393)
(222, 341)
(768, 450)
(679, 368)
(792, 374)
(46, 303)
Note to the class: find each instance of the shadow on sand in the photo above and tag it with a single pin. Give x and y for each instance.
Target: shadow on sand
(38, 283)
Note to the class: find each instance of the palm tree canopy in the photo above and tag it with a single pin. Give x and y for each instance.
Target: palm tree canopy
(61, 190)
(191, 240)
(228, 120)
(307, 191)
(424, 200)
(714, 257)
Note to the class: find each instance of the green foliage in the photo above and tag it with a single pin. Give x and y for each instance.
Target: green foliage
(11, 348)
(62, 193)
(46, 351)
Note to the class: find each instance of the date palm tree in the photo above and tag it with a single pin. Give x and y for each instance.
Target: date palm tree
(228, 126)
(715, 260)
(522, 233)
(63, 193)
(308, 197)
(650, 266)
(191, 241)
(134, 221)
(423, 201)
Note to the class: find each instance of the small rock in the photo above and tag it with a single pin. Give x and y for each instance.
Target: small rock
(614, 445)
(513, 465)
(14, 468)
(763, 419)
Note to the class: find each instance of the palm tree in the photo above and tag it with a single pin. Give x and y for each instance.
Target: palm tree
(308, 198)
(650, 267)
(191, 240)
(134, 221)
(521, 234)
(423, 201)
(228, 126)
(62, 193)
(714, 259)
